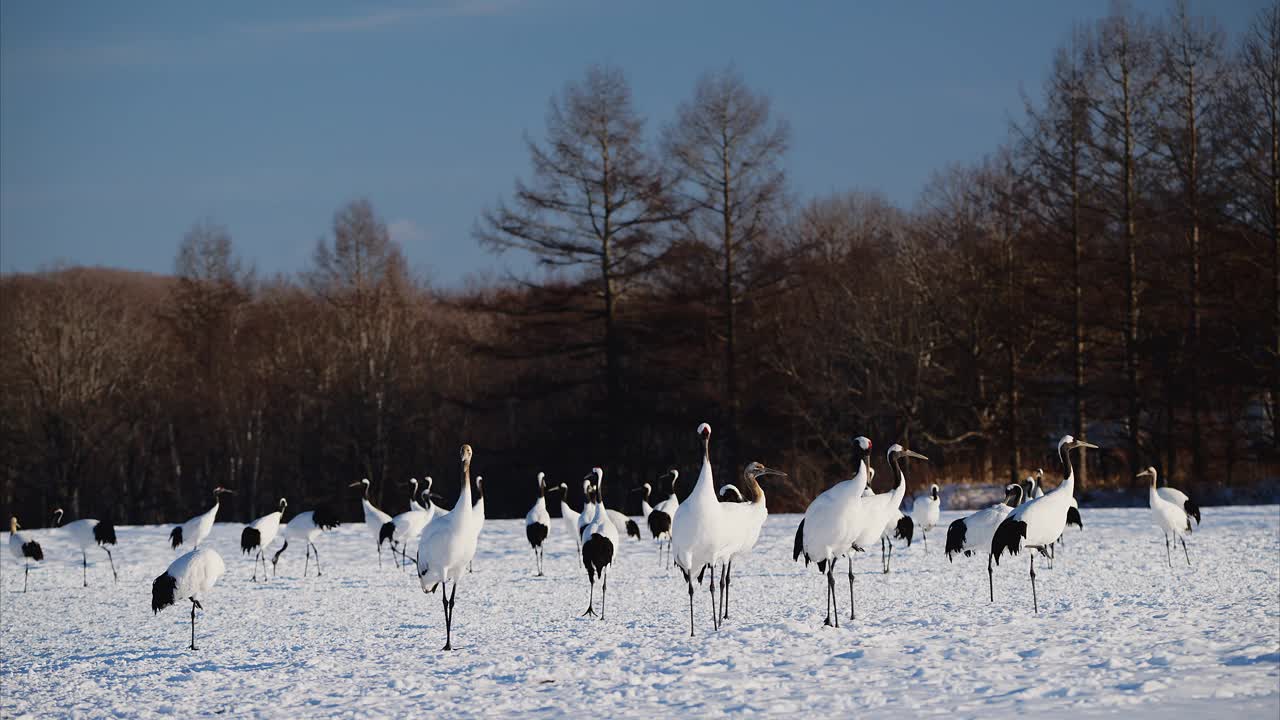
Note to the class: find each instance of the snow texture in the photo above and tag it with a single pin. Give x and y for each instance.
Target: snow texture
(1118, 632)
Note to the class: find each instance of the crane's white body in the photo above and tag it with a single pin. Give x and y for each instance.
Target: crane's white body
(268, 527)
(618, 520)
(699, 535)
(926, 510)
(1168, 516)
(538, 513)
(409, 525)
(1046, 516)
(570, 519)
(832, 520)
(980, 528)
(195, 530)
(448, 544)
(196, 573)
(877, 515)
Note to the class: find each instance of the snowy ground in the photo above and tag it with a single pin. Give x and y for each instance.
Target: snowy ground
(1118, 632)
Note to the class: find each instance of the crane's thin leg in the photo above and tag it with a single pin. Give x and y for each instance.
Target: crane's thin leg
(1184, 551)
(715, 611)
(991, 580)
(256, 558)
(724, 590)
(448, 615)
(84, 566)
(1167, 556)
(112, 560)
(925, 536)
(591, 596)
(307, 564)
(536, 564)
(884, 564)
(194, 604)
(831, 582)
(852, 615)
(689, 581)
(1034, 600)
(379, 555)
(604, 588)
(25, 572)
(316, 550)
(828, 620)
(1052, 554)
(889, 560)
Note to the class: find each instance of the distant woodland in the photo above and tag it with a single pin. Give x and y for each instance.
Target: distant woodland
(1111, 271)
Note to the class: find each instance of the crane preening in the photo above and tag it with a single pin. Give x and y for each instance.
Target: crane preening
(191, 575)
(86, 533)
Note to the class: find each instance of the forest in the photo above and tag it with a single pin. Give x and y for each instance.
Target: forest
(1111, 271)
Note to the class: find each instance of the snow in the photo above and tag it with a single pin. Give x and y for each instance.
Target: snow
(1119, 631)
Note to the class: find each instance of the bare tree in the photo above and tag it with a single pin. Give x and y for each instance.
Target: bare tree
(595, 207)
(727, 147)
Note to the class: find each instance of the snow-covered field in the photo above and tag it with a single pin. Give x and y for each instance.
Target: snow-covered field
(1118, 632)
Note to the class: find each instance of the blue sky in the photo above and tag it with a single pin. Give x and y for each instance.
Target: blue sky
(122, 124)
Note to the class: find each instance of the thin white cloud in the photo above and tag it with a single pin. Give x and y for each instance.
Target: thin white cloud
(384, 18)
(406, 232)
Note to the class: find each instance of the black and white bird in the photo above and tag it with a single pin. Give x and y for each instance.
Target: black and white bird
(973, 533)
(537, 522)
(599, 539)
(479, 508)
(447, 546)
(623, 523)
(307, 526)
(194, 531)
(374, 519)
(1038, 523)
(258, 535)
(404, 529)
(1177, 497)
(191, 576)
(881, 514)
(828, 529)
(925, 512)
(86, 533)
(24, 549)
(699, 535)
(744, 519)
(1170, 517)
(660, 519)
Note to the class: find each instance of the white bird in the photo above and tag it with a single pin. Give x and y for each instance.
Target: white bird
(1168, 516)
(406, 528)
(537, 522)
(307, 526)
(925, 512)
(24, 549)
(827, 531)
(86, 533)
(897, 526)
(588, 500)
(191, 576)
(599, 539)
(258, 535)
(447, 546)
(1038, 523)
(374, 518)
(413, 496)
(744, 518)
(972, 533)
(622, 522)
(698, 534)
(196, 529)
(879, 513)
(1177, 497)
(570, 517)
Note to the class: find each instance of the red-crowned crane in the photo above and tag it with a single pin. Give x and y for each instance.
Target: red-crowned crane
(258, 535)
(599, 541)
(1172, 518)
(537, 522)
(307, 526)
(1038, 523)
(24, 549)
(447, 546)
(744, 519)
(374, 518)
(86, 533)
(191, 576)
(973, 533)
(195, 530)
(699, 535)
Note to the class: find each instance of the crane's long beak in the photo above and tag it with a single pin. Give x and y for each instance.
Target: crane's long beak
(553, 489)
(1082, 443)
(914, 454)
(1144, 473)
(771, 471)
(355, 484)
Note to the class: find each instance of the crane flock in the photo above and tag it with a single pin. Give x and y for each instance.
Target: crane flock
(702, 536)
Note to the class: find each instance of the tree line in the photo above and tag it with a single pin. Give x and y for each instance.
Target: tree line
(1112, 270)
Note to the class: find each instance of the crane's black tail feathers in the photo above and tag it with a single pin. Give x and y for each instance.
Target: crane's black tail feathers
(1008, 537)
(798, 549)
(104, 533)
(1192, 509)
(659, 523)
(325, 518)
(536, 532)
(388, 529)
(597, 552)
(1073, 517)
(250, 539)
(175, 537)
(956, 532)
(906, 528)
(633, 530)
(32, 550)
(162, 592)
